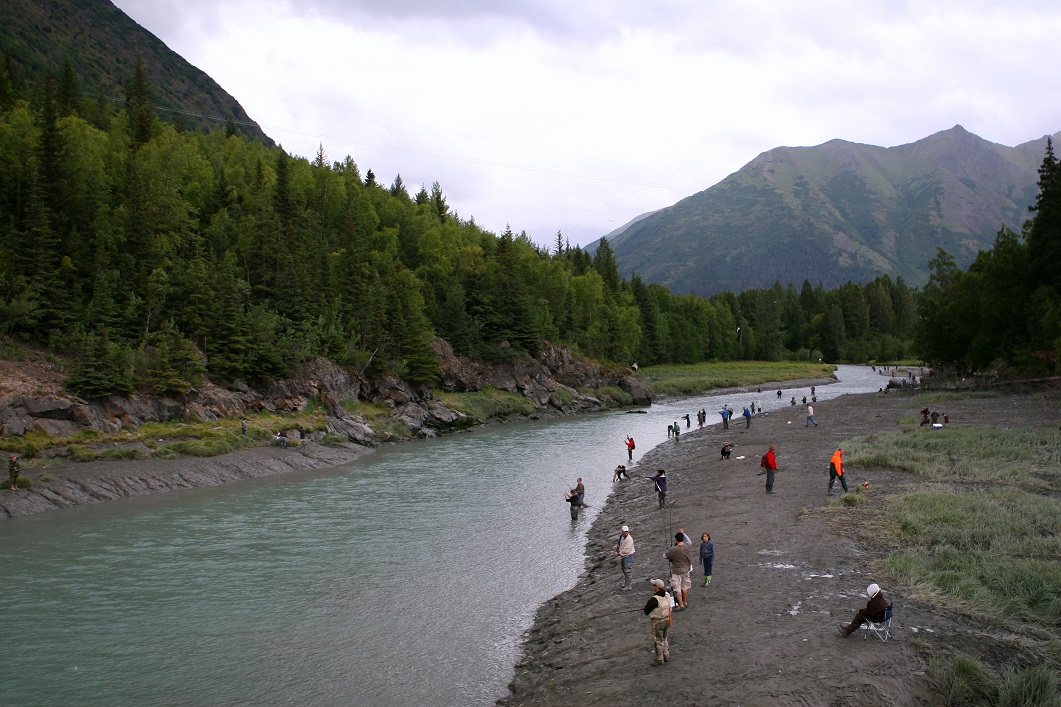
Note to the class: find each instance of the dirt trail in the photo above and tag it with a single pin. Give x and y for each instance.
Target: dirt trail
(789, 568)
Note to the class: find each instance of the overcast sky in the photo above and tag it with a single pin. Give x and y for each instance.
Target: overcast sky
(579, 115)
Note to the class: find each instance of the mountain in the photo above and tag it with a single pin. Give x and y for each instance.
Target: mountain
(836, 212)
(102, 43)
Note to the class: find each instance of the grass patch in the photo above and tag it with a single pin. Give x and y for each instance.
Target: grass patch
(696, 378)
(369, 411)
(966, 681)
(981, 454)
(81, 453)
(981, 534)
(121, 453)
(482, 405)
(613, 396)
(946, 396)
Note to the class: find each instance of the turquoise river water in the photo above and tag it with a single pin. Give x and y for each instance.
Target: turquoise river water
(405, 578)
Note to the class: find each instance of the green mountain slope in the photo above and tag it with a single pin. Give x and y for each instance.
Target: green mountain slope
(102, 43)
(836, 212)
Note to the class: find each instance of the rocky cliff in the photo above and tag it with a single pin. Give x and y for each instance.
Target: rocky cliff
(555, 384)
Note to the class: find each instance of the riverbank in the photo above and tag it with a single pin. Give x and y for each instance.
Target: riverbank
(60, 482)
(790, 567)
(68, 483)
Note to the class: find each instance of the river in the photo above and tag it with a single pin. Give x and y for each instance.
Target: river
(406, 577)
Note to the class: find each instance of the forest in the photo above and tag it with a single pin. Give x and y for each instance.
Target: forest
(150, 256)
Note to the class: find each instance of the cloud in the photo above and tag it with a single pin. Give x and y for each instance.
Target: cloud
(555, 115)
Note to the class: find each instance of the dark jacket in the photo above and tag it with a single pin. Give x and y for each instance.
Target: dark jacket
(876, 607)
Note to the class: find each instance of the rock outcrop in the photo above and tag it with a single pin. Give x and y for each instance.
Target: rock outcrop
(557, 383)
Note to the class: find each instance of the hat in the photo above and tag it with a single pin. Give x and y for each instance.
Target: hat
(872, 590)
(657, 583)
(625, 529)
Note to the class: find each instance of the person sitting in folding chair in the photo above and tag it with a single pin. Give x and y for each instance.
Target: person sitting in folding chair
(874, 611)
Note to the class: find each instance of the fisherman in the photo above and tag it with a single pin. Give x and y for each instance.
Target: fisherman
(658, 610)
(624, 550)
(619, 473)
(12, 470)
(661, 486)
(576, 504)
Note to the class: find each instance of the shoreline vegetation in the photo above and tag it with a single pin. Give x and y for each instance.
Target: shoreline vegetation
(961, 526)
(92, 466)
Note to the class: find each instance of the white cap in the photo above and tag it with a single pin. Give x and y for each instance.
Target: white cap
(872, 590)
(625, 529)
(657, 583)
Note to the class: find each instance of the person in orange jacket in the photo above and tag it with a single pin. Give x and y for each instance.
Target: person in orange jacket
(836, 471)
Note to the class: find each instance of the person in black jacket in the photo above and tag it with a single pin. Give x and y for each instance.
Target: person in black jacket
(874, 611)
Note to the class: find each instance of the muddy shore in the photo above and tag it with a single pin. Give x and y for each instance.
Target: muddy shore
(790, 567)
(78, 483)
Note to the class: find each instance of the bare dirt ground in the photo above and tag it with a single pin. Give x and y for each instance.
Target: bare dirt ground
(789, 568)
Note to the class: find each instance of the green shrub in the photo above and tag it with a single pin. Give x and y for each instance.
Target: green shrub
(164, 453)
(24, 482)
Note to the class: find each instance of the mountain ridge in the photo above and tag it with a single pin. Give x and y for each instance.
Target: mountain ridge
(835, 212)
(102, 44)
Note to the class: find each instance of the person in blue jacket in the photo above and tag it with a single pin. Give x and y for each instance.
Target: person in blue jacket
(747, 417)
(707, 556)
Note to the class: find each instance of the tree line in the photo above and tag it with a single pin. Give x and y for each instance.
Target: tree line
(1006, 308)
(153, 256)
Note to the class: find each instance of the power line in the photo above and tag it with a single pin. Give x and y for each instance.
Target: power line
(427, 153)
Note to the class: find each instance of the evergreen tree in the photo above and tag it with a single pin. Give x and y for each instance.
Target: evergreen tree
(604, 264)
(69, 98)
(139, 105)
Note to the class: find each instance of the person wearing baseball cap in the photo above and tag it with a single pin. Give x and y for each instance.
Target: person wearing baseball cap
(624, 550)
(658, 610)
(874, 611)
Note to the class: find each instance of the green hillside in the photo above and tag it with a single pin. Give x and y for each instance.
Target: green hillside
(836, 212)
(102, 43)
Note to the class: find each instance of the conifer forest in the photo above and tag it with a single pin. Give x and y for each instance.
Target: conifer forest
(149, 256)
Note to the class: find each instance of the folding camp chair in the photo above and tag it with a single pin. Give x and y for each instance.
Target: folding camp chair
(881, 629)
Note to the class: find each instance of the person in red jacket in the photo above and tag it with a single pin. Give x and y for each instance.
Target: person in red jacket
(769, 462)
(630, 446)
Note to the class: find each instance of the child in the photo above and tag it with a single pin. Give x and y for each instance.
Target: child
(707, 556)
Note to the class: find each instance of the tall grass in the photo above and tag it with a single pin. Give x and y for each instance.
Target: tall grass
(696, 378)
(981, 533)
(966, 682)
(981, 454)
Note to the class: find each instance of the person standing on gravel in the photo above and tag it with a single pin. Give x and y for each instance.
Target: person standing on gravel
(12, 471)
(836, 471)
(680, 566)
(630, 447)
(810, 417)
(661, 486)
(658, 610)
(769, 463)
(707, 556)
(624, 550)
